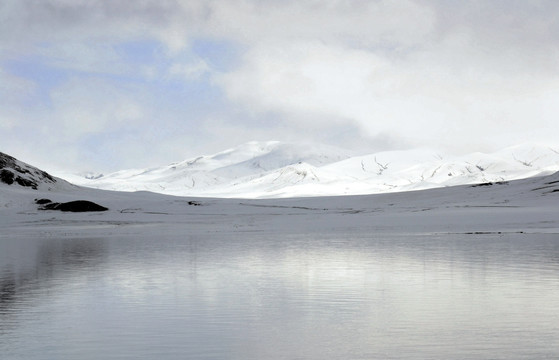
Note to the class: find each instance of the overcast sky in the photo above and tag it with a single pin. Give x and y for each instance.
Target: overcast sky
(106, 85)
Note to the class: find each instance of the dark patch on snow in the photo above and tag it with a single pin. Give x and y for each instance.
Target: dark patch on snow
(482, 184)
(13, 171)
(93, 177)
(71, 206)
(287, 207)
(42, 201)
(492, 232)
(421, 210)
(552, 185)
(7, 177)
(546, 187)
(490, 184)
(130, 211)
(194, 203)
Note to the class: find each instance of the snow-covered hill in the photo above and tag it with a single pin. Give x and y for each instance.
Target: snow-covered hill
(508, 207)
(275, 169)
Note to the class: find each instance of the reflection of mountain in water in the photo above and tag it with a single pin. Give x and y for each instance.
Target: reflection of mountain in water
(200, 296)
(55, 262)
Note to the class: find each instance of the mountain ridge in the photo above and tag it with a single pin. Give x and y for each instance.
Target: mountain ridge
(275, 169)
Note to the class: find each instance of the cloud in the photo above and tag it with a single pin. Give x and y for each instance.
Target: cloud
(27, 21)
(417, 98)
(448, 83)
(467, 75)
(189, 71)
(360, 23)
(84, 106)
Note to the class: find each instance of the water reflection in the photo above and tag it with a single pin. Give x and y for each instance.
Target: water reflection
(307, 297)
(28, 267)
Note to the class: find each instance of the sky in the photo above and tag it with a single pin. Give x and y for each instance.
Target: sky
(106, 85)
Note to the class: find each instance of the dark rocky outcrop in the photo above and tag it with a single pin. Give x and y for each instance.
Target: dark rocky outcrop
(490, 184)
(8, 177)
(13, 171)
(71, 206)
(42, 201)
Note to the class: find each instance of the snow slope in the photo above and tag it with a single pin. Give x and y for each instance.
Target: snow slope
(521, 206)
(274, 169)
(515, 207)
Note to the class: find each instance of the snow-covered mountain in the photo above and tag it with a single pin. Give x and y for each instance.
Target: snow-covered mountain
(275, 169)
(511, 207)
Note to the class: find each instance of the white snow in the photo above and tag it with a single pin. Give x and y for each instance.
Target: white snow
(529, 205)
(274, 169)
(526, 205)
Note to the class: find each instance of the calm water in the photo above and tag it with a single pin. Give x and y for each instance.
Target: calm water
(270, 297)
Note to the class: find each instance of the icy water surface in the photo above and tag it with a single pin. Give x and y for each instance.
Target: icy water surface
(251, 296)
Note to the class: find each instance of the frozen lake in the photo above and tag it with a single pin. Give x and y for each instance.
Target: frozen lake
(262, 296)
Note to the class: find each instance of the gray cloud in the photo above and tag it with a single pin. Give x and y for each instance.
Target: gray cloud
(466, 75)
(25, 23)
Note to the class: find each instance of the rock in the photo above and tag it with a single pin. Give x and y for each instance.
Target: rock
(15, 171)
(71, 206)
(7, 177)
(490, 184)
(42, 201)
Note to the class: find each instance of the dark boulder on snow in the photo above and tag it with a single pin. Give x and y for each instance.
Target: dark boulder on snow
(13, 171)
(71, 206)
(42, 201)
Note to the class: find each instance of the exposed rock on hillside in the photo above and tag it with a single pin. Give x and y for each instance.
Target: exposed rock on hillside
(13, 171)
